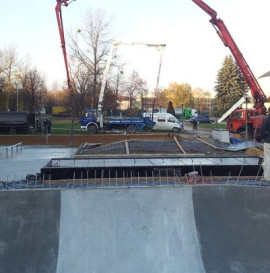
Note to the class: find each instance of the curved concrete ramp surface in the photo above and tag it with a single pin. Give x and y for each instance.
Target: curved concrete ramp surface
(217, 228)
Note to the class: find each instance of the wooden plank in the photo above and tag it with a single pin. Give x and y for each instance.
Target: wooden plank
(207, 143)
(179, 145)
(127, 148)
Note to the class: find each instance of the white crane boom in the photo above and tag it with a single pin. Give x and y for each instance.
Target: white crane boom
(235, 106)
(114, 45)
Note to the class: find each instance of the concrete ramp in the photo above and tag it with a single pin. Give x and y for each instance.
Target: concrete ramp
(233, 225)
(128, 230)
(29, 231)
(206, 228)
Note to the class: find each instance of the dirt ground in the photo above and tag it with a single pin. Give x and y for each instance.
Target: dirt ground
(77, 140)
(6, 140)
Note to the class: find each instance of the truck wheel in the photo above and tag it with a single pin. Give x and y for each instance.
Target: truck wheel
(249, 137)
(131, 129)
(175, 129)
(92, 129)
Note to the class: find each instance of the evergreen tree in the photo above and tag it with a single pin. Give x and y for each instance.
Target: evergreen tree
(170, 108)
(231, 85)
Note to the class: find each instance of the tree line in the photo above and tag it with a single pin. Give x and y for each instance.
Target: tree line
(23, 87)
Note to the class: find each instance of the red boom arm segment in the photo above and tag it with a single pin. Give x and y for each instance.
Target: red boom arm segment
(62, 36)
(222, 31)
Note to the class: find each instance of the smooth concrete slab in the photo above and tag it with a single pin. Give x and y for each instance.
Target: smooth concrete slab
(146, 230)
(29, 231)
(203, 228)
(233, 224)
(29, 160)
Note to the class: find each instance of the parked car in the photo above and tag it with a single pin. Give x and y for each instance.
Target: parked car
(201, 119)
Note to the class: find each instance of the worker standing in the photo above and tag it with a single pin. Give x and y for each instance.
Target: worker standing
(45, 124)
(265, 135)
(195, 124)
(49, 126)
(39, 125)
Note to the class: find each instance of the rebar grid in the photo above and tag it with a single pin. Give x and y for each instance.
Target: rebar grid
(165, 146)
(170, 177)
(154, 147)
(158, 146)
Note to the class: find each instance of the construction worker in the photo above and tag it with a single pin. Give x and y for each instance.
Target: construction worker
(39, 125)
(45, 124)
(195, 124)
(49, 126)
(265, 135)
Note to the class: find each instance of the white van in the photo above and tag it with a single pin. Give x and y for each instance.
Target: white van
(166, 122)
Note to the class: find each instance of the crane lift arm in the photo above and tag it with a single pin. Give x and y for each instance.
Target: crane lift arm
(222, 31)
(114, 45)
(58, 11)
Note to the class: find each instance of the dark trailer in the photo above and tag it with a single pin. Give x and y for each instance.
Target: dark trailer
(13, 122)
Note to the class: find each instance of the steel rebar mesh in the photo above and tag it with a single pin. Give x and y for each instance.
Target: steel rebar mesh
(158, 177)
(135, 147)
(114, 148)
(166, 146)
(159, 146)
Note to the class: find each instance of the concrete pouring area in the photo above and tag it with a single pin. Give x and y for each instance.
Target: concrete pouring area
(170, 205)
(136, 160)
(202, 228)
(16, 165)
(144, 160)
(137, 168)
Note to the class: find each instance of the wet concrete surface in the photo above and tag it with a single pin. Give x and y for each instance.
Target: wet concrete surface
(28, 160)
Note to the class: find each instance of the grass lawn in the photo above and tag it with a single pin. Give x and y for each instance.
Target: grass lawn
(63, 126)
(213, 126)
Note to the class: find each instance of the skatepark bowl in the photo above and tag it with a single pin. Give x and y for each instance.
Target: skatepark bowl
(198, 228)
(144, 214)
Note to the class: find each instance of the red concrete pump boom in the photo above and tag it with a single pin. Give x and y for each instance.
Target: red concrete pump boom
(222, 31)
(62, 35)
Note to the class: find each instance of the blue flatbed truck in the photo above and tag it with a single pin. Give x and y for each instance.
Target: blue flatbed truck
(131, 125)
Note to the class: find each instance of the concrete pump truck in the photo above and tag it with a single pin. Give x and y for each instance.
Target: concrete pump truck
(92, 120)
(246, 122)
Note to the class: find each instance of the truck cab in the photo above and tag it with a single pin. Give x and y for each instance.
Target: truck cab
(89, 121)
(236, 123)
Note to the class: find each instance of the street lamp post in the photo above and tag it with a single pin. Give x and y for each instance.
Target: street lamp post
(182, 104)
(17, 101)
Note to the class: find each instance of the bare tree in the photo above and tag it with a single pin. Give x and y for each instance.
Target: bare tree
(35, 86)
(89, 45)
(116, 79)
(135, 86)
(9, 66)
(82, 79)
(3, 97)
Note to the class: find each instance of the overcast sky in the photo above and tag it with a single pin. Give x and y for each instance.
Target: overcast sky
(193, 54)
